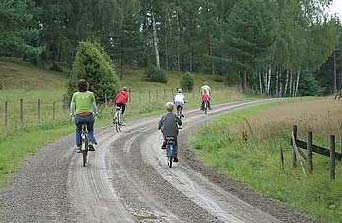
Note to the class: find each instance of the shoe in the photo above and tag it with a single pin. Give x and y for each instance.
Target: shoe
(123, 123)
(175, 159)
(182, 116)
(91, 147)
(78, 149)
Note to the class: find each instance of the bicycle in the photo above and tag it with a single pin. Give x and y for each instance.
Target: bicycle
(85, 143)
(205, 107)
(170, 150)
(118, 118)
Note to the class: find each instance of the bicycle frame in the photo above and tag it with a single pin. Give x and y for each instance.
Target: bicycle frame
(118, 121)
(85, 143)
(170, 149)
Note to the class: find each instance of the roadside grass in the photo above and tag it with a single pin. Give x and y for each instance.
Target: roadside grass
(246, 145)
(14, 151)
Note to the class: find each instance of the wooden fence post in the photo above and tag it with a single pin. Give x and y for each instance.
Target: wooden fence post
(38, 103)
(22, 111)
(53, 110)
(129, 95)
(149, 96)
(6, 113)
(309, 148)
(294, 156)
(332, 156)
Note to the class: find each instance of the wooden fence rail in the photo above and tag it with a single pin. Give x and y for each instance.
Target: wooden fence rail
(330, 152)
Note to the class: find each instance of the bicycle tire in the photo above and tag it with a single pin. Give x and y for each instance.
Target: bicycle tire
(85, 152)
(170, 161)
(205, 107)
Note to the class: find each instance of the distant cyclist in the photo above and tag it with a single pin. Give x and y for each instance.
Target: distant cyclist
(121, 100)
(205, 88)
(168, 125)
(83, 110)
(179, 100)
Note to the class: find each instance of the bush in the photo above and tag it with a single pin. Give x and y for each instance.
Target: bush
(94, 65)
(155, 75)
(187, 82)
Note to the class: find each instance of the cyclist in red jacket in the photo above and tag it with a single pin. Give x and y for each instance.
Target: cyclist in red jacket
(121, 100)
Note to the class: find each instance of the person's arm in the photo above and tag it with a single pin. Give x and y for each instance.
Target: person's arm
(72, 105)
(94, 104)
(160, 123)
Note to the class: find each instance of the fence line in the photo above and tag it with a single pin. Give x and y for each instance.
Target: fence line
(32, 112)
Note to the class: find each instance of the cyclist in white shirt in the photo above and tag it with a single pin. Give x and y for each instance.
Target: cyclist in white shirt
(179, 101)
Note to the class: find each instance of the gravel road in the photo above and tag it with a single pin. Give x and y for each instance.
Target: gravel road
(127, 180)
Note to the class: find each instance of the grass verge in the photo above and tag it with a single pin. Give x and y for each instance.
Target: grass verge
(246, 146)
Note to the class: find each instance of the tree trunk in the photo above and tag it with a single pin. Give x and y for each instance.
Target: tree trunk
(291, 84)
(277, 83)
(335, 75)
(297, 84)
(280, 83)
(155, 41)
(244, 82)
(178, 41)
(260, 82)
(286, 82)
(269, 80)
(166, 45)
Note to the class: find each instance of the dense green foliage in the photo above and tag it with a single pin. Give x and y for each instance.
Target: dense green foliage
(187, 82)
(154, 74)
(271, 45)
(93, 64)
(17, 32)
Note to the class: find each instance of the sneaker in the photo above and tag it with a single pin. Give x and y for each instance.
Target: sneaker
(78, 149)
(175, 159)
(91, 147)
(123, 123)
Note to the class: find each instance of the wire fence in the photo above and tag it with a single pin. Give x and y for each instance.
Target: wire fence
(37, 112)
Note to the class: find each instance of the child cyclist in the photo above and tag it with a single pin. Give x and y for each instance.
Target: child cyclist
(179, 102)
(121, 100)
(205, 99)
(168, 125)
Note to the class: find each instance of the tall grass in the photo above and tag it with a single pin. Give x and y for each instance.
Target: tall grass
(246, 146)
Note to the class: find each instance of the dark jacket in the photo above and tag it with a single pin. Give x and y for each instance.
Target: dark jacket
(168, 124)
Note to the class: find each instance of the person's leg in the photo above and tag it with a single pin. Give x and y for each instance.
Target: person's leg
(90, 126)
(78, 124)
(209, 105)
(202, 106)
(176, 150)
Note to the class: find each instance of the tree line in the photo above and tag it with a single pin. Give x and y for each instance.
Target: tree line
(273, 47)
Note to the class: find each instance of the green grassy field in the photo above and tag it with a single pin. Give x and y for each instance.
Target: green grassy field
(246, 146)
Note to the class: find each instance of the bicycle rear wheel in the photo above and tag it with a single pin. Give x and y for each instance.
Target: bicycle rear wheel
(169, 161)
(85, 153)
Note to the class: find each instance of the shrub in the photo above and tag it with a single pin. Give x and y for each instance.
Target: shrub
(187, 82)
(94, 65)
(155, 75)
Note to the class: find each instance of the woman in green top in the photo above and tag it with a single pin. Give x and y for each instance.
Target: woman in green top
(83, 109)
